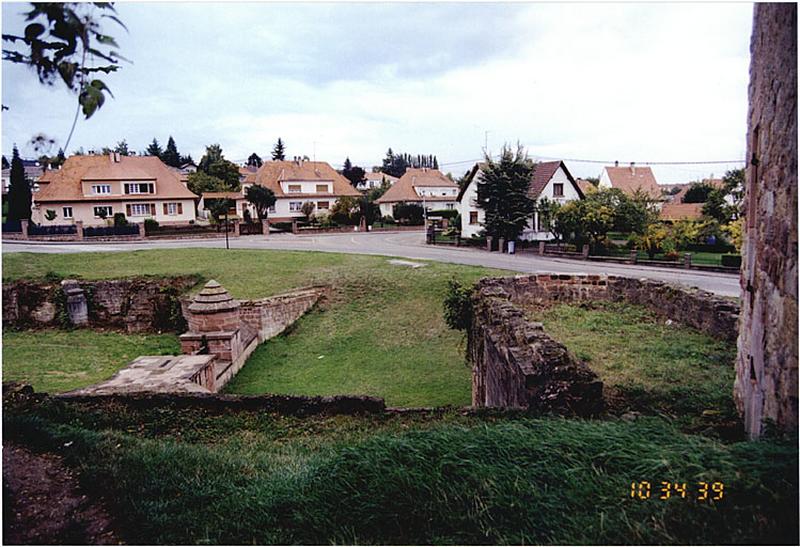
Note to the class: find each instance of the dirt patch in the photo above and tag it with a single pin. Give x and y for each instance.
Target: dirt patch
(43, 504)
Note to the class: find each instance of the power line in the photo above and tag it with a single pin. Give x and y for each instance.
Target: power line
(610, 162)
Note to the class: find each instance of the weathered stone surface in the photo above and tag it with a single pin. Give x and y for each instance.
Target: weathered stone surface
(138, 304)
(766, 370)
(517, 365)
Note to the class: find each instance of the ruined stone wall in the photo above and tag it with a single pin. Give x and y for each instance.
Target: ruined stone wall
(138, 304)
(271, 316)
(516, 364)
(766, 370)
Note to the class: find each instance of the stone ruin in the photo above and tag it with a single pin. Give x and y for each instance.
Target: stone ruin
(516, 364)
(223, 332)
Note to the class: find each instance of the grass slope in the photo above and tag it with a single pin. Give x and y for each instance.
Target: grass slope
(380, 334)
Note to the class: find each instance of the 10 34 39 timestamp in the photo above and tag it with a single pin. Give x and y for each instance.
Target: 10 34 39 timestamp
(699, 491)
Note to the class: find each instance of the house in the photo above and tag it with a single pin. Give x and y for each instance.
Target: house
(630, 179)
(551, 180)
(294, 183)
(673, 211)
(586, 186)
(375, 180)
(424, 186)
(91, 188)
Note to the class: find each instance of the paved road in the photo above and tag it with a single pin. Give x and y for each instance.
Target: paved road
(407, 245)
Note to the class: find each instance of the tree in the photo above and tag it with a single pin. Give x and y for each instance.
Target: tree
(254, 160)
(279, 151)
(62, 41)
(353, 173)
(307, 209)
(50, 215)
(170, 156)
(19, 190)
(214, 164)
(200, 182)
(262, 199)
(717, 208)
(345, 210)
(213, 154)
(6, 165)
(408, 213)
(122, 148)
(154, 149)
(503, 193)
(698, 192)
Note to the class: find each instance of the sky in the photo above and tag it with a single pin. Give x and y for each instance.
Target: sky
(641, 82)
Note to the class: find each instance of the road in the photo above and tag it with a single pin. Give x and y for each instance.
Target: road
(407, 245)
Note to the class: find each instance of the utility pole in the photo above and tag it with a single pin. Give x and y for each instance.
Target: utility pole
(227, 245)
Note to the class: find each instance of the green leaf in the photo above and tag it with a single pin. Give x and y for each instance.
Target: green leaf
(33, 30)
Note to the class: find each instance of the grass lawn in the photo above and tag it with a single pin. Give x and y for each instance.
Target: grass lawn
(381, 333)
(56, 361)
(646, 364)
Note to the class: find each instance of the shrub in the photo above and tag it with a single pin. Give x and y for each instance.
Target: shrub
(120, 220)
(444, 213)
(50, 215)
(150, 225)
(458, 305)
(732, 261)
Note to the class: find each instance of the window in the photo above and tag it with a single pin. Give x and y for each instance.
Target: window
(323, 204)
(322, 188)
(295, 205)
(473, 217)
(139, 209)
(450, 206)
(66, 212)
(101, 188)
(558, 190)
(103, 211)
(139, 188)
(271, 209)
(295, 188)
(173, 208)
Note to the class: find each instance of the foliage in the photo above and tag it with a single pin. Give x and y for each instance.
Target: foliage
(50, 215)
(154, 149)
(353, 173)
(199, 182)
(408, 213)
(734, 232)
(121, 148)
(61, 41)
(262, 198)
(214, 164)
(120, 220)
(346, 210)
(698, 192)
(503, 193)
(307, 208)
(444, 213)
(254, 160)
(279, 151)
(19, 190)
(150, 225)
(717, 208)
(219, 208)
(170, 156)
(458, 305)
(651, 240)
(397, 164)
(685, 232)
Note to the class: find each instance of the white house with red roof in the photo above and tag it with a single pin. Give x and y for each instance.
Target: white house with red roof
(551, 180)
(424, 186)
(631, 179)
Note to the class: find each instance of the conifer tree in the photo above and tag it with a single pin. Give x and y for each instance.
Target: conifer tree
(254, 160)
(503, 193)
(154, 149)
(279, 151)
(170, 156)
(19, 190)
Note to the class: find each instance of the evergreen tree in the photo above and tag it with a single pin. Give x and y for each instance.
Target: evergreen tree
(213, 155)
(186, 159)
(279, 151)
(19, 190)
(347, 166)
(59, 160)
(122, 148)
(170, 156)
(503, 193)
(353, 173)
(154, 149)
(254, 160)
(261, 198)
(6, 165)
(435, 163)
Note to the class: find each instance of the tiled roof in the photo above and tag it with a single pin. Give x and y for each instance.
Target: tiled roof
(542, 174)
(272, 173)
(629, 179)
(403, 189)
(380, 176)
(65, 183)
(585, 186)
(678, 211)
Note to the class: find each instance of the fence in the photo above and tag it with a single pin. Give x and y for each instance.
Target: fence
(111, 231)
(189, 230)
(12, 227)
(251, 228)
(55, 230)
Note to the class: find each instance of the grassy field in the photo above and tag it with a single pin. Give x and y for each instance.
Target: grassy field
(644, 362)
(186, 478)
(380, 334)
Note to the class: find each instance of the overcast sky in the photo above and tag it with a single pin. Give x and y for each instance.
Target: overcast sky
(631, 82)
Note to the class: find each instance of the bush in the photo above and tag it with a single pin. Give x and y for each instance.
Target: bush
(388, 219)
(150, 225)
(444, 213)
(120, 220)
(731, 261)
(458, 305)
(408, 213)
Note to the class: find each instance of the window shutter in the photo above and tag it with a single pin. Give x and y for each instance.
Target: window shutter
(128, 210)
(165, 209)
(153, 209)
(180, 208)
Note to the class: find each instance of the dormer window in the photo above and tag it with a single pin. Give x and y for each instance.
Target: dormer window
(101, 188)
(139, 188)
(295, 188)
(322, 188)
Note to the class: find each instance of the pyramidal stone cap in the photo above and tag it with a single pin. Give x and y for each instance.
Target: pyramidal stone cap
(213, 299)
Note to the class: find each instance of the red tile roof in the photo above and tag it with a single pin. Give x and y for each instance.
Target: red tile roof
(272, 173)
(679, 211)
(403, 189)
(629, 179)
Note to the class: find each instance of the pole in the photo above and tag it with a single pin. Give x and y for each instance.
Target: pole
(227, 245)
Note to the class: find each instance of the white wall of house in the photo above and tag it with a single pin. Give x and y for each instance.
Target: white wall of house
(438, 191)
(605, 180)
(178, 211)
(306, 187)
(472, 216)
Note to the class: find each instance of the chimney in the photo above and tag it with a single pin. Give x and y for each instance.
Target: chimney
(633, 168)
(616, 164)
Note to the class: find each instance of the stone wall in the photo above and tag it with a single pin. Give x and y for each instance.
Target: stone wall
(766, 370)
(138, 304)
(515, 364)
(272, 315)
